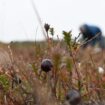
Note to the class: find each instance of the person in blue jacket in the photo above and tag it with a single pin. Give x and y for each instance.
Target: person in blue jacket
(92, 35)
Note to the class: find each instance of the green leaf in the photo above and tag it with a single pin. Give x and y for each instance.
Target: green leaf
(4, 82)
(67, 37)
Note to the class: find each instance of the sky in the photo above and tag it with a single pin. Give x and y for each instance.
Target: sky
(19, 22)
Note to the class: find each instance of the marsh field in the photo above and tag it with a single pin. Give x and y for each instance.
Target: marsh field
(23, 82)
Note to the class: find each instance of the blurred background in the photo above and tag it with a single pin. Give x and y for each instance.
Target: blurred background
(18, 21)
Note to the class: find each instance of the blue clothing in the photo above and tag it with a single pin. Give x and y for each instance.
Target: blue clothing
(94, 30)
(89, 33)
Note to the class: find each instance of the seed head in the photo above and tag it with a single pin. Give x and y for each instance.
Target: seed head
(47, 27)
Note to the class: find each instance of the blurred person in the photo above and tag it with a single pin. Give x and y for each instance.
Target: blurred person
(92, 35)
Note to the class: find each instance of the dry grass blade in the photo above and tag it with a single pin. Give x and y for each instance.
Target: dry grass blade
(5, 60)
(39, 18)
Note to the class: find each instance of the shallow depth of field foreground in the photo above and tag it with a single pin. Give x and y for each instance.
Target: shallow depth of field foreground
(24, 82)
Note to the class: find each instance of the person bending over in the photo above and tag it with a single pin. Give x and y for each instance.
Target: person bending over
(92, 35)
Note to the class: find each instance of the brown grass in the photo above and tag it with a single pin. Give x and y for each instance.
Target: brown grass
(22, 61)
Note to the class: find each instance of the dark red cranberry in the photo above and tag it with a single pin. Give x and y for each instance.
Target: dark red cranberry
(46, 65)
(73, 97)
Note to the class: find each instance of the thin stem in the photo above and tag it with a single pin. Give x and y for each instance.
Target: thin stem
(76, 69)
